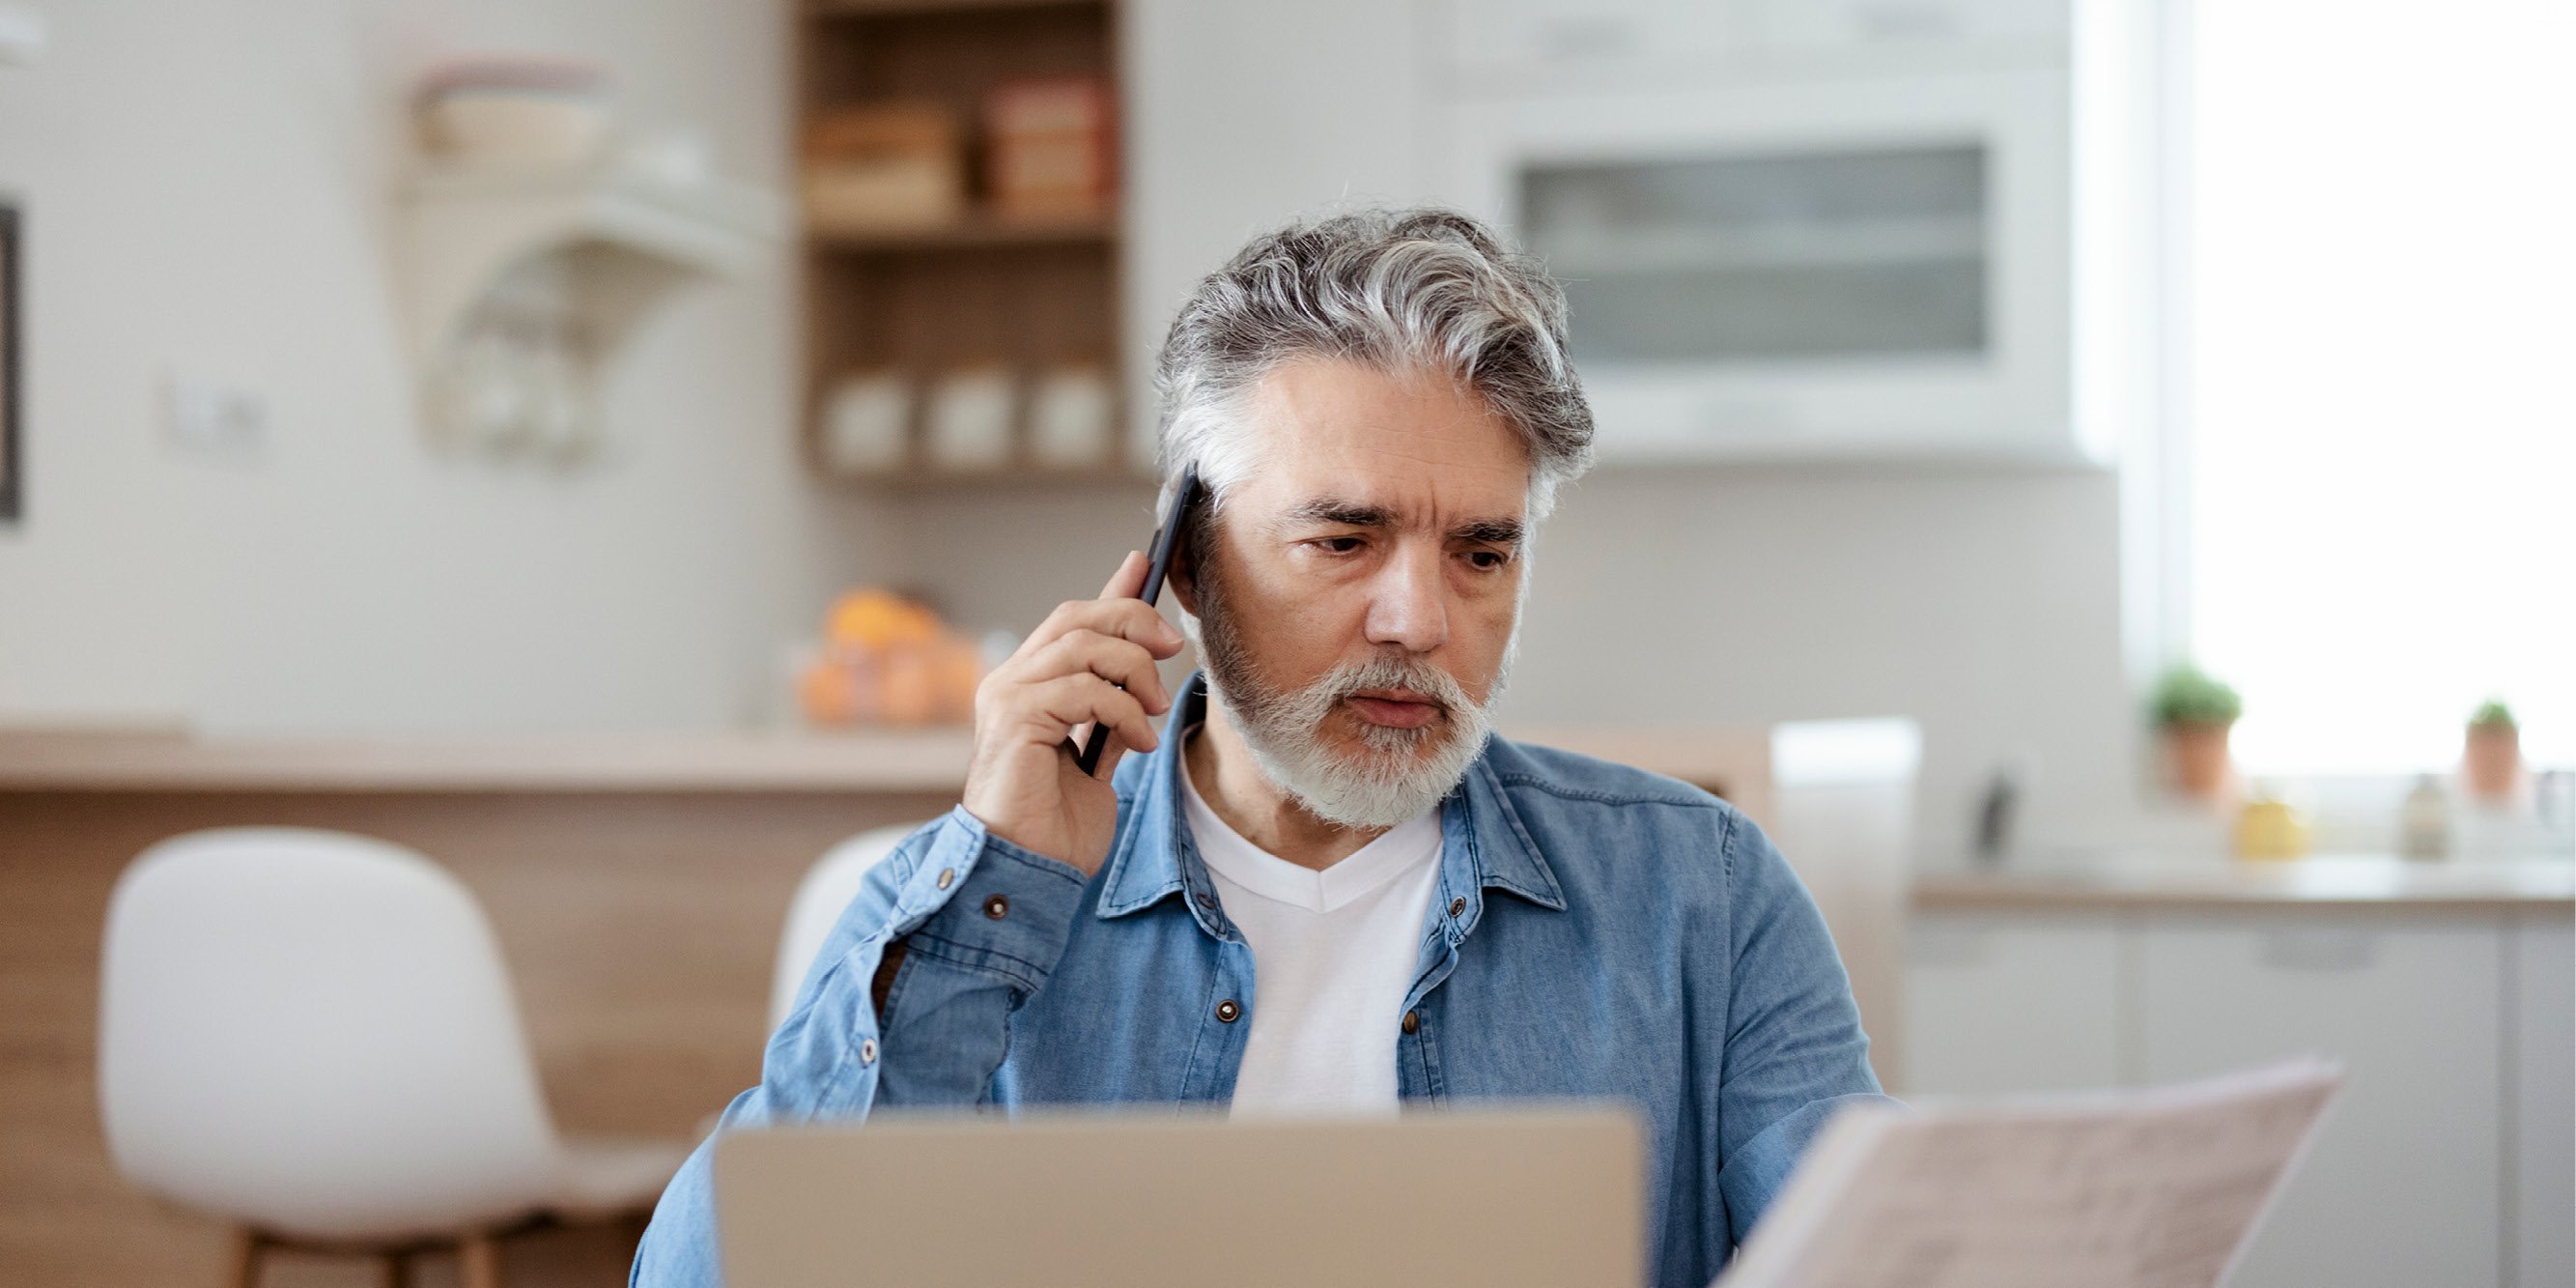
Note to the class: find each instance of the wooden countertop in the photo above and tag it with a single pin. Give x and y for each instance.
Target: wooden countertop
(888, 760)
(2341, 880)
(1735, 762)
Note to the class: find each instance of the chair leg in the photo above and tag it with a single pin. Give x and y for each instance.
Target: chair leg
(482, 1261)
(397, 1269)
(248, 1250)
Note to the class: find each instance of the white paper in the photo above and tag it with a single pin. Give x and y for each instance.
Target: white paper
(2113, 1189)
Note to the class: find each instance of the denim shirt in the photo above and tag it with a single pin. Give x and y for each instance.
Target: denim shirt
(1598, 932)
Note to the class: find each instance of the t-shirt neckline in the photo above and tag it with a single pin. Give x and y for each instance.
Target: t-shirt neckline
(1388, 855)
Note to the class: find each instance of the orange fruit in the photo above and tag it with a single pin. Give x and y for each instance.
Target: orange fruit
(878, 619)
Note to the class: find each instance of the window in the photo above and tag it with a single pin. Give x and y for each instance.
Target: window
(2381, 340)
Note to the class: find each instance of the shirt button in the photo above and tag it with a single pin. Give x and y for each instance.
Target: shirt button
(1228, 1011)
(867, 1050)
(997, 907)
(947, 877)
(1457, 906)
(1412, 1022)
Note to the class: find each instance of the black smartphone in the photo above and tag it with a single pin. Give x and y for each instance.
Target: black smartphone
(1167, 540)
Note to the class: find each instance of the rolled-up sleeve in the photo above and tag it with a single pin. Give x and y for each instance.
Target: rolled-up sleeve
(983, 923)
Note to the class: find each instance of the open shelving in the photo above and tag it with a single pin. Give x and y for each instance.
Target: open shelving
(989, 289)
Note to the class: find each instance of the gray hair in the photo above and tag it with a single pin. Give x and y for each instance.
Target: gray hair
(1398, 290)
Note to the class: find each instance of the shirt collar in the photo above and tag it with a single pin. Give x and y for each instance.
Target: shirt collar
(1485, 844)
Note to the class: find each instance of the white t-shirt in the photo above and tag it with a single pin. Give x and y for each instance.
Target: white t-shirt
(1333, 954)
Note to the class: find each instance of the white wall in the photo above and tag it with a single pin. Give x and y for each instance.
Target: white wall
(210, 185)
(1984, 605)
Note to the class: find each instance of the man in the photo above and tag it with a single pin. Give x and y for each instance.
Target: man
(1324, 884)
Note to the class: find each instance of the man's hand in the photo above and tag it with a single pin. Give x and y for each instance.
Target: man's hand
(1091, 662)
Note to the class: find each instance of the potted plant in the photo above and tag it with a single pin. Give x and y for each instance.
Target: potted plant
(2195, 712)
(2492, 764)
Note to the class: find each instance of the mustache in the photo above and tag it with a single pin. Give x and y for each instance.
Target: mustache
(1395, 671)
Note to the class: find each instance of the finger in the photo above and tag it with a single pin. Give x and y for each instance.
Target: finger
(1129, 581)
(1127, 619)
(1124, 663)
(1067, 701)
(1109, 758)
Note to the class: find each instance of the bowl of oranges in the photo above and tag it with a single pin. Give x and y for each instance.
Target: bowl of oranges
(886, 658)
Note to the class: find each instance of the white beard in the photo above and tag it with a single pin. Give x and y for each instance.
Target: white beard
(1390, 780)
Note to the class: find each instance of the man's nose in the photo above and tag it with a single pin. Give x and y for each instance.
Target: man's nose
(1407, 603)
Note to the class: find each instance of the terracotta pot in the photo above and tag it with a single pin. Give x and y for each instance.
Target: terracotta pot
(2196, 752)
(2493, 762)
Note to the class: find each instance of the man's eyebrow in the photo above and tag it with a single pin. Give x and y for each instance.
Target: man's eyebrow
(1359, 514)
(1338, 512)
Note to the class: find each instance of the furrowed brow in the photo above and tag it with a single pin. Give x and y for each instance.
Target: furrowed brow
(1337, 513)
(1492, 532)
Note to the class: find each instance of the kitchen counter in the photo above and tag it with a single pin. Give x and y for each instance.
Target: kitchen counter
(876, 760)
(2334, 880)
(1734, 763)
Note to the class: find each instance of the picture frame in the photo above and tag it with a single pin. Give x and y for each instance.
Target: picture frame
(13, 462)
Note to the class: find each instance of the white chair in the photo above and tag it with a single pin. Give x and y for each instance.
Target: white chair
(1843, 815)
(820, 899)
(313, 1035)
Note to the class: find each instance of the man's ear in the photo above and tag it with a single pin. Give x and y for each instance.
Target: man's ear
(1182, 575)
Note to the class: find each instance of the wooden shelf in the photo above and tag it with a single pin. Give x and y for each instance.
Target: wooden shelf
(1026, 294)
(981, 232)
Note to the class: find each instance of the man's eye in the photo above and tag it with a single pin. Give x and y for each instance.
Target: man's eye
(1340, 545)
(1488, 560)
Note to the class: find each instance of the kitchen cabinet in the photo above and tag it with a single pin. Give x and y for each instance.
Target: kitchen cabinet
(2400, 1185)
(1999, 1004)
(1822, 230)
(1592, 41)
(1800, 268)
(1853, 231)
(2447, 991)
(2542, 969)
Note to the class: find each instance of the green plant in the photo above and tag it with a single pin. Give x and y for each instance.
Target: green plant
(2493, 711)
(2188, 695)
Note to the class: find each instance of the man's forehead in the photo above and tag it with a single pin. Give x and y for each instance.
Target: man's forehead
(1335, 439)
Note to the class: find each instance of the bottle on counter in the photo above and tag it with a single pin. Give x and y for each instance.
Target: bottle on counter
(2424, 822)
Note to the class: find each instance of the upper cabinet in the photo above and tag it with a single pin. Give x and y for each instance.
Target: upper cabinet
(1848, 229)
(1797, 267)
(1515, 41)
(1789, 230)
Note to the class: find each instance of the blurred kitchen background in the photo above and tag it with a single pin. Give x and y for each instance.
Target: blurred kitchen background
(2097, 478)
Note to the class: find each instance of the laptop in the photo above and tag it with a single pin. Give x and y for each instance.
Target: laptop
(1493, 1198)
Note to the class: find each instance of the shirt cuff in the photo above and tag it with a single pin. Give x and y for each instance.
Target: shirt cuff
(979, 902)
